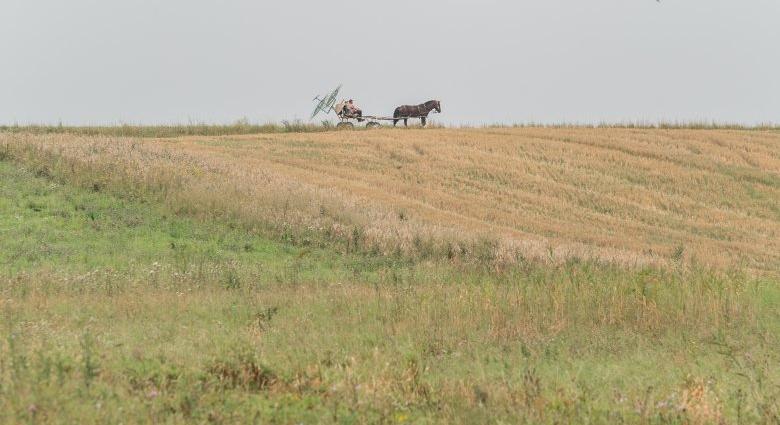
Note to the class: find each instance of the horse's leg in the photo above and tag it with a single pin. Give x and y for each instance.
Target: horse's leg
(395, 122)
(406, 122)
(423, 121)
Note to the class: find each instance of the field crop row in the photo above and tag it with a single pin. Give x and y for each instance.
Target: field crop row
(624, 196)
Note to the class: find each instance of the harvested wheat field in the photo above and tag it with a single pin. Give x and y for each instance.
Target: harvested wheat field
(626, 196)
(528, 275)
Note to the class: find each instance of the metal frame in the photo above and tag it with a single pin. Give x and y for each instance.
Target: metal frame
(326, 103)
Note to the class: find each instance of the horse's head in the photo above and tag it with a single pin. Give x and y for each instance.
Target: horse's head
(436, 105)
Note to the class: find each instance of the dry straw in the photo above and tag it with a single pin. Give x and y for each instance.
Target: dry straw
(624, 196)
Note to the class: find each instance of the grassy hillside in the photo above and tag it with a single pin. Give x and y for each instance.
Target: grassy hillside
(404, 277)
(633, 197)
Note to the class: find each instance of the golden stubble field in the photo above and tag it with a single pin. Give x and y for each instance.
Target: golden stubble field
(628, 196)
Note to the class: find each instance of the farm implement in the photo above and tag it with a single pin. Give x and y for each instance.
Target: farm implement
(348, 114)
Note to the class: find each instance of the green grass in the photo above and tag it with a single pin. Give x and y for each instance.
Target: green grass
(119, 310)
(170, 130)
(50, 226)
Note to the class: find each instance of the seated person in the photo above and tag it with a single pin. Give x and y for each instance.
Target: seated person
(351, 110)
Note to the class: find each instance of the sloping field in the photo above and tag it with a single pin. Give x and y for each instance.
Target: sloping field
(630, 196)
(391, 277)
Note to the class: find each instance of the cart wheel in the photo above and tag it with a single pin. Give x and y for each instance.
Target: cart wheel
(345, 126)
(373, 124)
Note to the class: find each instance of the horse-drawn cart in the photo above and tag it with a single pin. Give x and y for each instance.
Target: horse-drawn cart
(346, 120)
(346, 115)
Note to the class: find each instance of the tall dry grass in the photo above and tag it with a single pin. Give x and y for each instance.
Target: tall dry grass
(550, 344)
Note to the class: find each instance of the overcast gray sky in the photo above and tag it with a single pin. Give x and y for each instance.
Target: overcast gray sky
(159, 61)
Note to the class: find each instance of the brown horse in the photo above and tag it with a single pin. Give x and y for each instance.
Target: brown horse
(419, 111)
